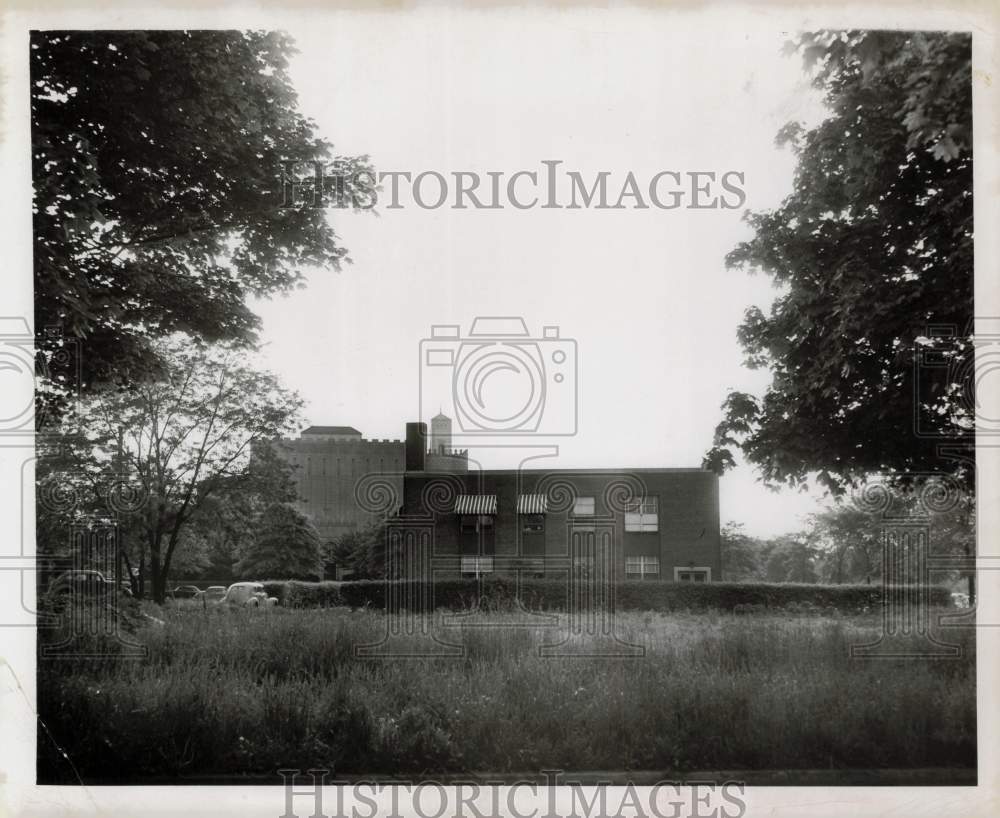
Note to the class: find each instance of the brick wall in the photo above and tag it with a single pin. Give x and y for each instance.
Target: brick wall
(688, 518)
(326, 475)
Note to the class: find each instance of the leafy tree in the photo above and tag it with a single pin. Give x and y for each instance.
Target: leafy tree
(362, 552)
(182, 439)
(872, 247)
(791, 558)
(741, 554)
(850, 536)
(159, 202)
(192, 556)
(286, 546)
(227, 522)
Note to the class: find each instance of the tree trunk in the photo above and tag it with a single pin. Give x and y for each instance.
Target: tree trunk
(970, 551)
(132, 578)
(159, 587)
(157, 574)
(142, 574)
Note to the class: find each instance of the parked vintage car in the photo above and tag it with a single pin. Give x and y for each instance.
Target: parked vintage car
(86, 583)
(212, 595)
(184, 592)
(249, 595)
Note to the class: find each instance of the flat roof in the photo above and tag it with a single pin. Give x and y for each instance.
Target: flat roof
(331, 430)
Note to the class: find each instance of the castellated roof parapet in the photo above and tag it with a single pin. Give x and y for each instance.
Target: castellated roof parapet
(321, 444)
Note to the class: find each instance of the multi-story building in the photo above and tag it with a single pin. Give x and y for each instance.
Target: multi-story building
(623, 523)
(329, 464)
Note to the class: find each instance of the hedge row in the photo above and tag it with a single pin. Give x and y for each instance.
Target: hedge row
(502, 592)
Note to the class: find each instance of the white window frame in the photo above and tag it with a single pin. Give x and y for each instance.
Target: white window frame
(648, 564)
(642, 515)
(680, 569)
(477, 564)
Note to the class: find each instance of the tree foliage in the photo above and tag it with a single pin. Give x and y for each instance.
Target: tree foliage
(871, 250)
(363, 552)
(174, 443)
(792, 557)
(844, 543)
(286, 546)
(158, 202)
(227, 523)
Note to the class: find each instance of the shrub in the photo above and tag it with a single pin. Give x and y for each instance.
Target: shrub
(505, 593)
(295, 594)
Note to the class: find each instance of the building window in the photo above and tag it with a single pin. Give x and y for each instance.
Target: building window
(692, 575)
(642, 515)
(533, 523)
(640, 567)
(474, 566)
(583, 507)
(473, 523)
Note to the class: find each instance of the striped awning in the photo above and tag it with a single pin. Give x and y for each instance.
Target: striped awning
(476, 504)
(532, 503)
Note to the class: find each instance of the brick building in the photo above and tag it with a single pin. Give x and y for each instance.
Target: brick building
(630, 524)
(624, 523)
(330, 464)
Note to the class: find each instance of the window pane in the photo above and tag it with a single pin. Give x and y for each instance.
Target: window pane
(532, 523)
(583, 507)
(477, 565)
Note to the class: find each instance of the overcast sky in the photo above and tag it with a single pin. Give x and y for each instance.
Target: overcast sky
(644, 292)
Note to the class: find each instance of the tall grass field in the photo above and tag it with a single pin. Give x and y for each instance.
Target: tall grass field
(223, 693)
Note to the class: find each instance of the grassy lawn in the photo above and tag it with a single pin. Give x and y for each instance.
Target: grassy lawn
(232, 692)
